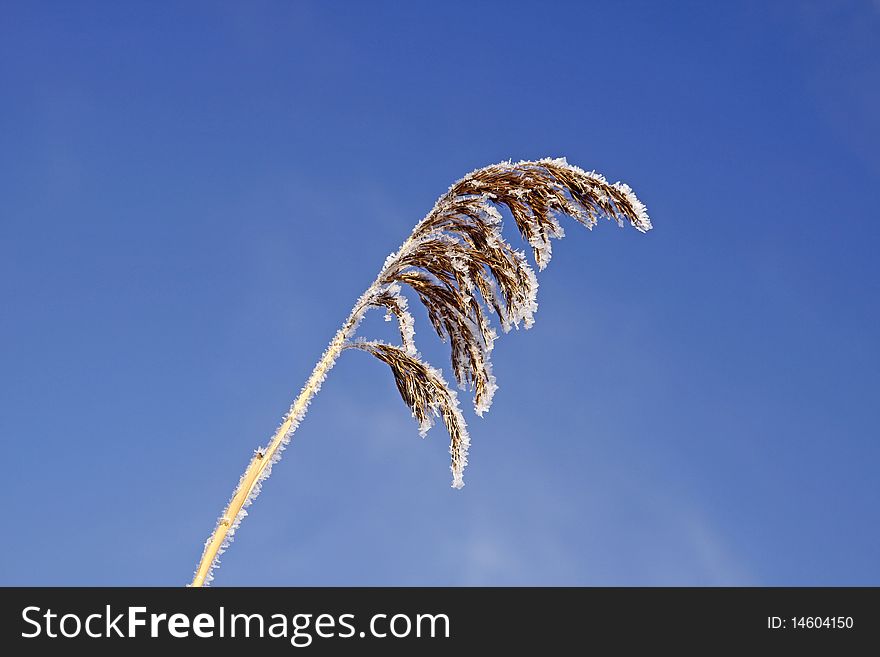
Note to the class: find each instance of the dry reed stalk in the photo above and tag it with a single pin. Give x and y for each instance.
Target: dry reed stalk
(462, 269)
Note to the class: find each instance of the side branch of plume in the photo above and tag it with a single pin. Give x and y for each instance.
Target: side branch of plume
(427, 394)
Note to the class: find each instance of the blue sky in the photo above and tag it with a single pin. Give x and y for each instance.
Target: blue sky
(192, 195)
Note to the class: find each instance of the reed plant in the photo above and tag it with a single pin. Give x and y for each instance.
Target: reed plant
(462, 269)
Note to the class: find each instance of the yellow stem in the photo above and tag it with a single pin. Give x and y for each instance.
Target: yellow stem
(262, 459)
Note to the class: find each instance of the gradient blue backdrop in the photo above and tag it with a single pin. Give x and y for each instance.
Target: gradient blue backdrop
(193, 194)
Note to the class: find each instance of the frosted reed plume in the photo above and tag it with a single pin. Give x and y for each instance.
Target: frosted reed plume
(462, 269)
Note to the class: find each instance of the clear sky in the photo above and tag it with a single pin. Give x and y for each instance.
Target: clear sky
(192, 195)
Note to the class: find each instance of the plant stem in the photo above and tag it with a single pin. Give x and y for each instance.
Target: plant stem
(258, 464)
(256, 470)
